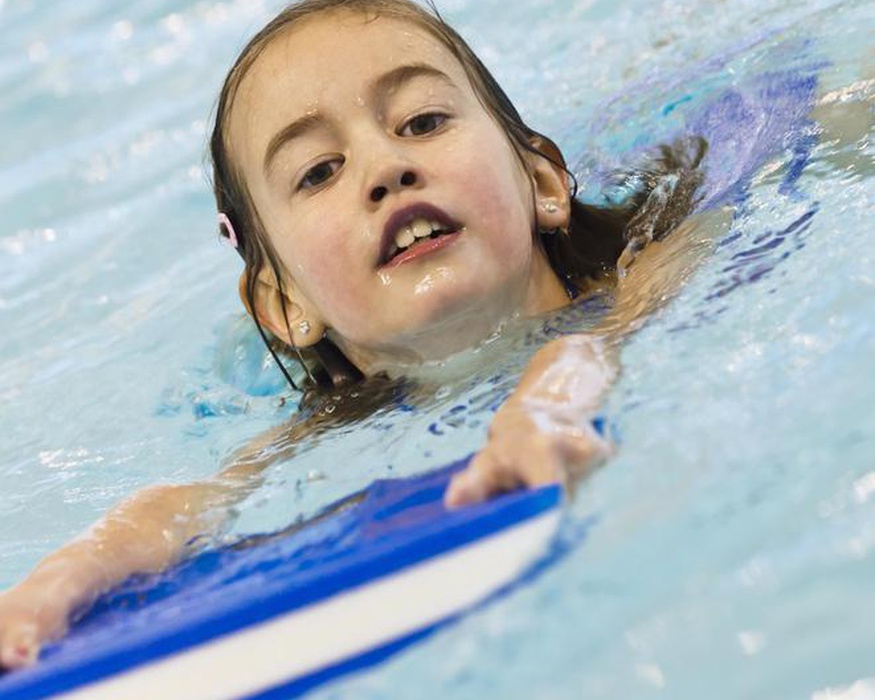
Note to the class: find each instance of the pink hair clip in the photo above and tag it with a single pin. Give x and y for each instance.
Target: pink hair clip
(225, 222)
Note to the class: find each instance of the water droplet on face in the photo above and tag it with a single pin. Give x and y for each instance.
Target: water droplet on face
(424, 285)
(385, 279)
(427, 283)
(359, 101)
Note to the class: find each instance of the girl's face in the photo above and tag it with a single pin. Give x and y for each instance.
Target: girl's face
(394, 201)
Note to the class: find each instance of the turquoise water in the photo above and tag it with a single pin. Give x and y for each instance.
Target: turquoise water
(732, 554)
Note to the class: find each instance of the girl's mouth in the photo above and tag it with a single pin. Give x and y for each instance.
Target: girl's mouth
(416, 231)
(418, 238)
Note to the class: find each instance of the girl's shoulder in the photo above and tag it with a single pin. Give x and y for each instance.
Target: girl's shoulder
(658, 273)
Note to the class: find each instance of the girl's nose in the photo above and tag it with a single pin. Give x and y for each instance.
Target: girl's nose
(398, 180)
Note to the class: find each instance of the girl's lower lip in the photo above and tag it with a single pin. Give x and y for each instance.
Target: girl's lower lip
(421, 248)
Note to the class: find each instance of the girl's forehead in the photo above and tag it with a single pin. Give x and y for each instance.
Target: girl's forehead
(343, 48)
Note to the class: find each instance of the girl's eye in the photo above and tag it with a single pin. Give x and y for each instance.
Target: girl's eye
(423, 124)
(318, 174)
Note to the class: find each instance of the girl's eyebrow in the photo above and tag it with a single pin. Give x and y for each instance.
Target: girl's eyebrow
(384, 85)
(289, 132)
(397, 77)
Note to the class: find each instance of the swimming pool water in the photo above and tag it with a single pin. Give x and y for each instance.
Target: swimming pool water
(732, 554)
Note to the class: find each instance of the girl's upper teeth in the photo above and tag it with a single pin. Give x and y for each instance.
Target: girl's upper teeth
(418, 228)
(422, 228)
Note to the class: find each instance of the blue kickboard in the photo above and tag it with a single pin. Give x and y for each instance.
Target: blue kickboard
(390, 526)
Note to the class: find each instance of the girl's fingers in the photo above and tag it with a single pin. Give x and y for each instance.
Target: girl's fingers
(19, 646)
(465, 488)
(535, 460)
(486, 476)
(476, 483)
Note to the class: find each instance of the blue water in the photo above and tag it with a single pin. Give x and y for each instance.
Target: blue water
(733, 552)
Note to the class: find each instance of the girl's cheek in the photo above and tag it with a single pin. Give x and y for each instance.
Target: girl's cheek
(494, 175)
(334, 287)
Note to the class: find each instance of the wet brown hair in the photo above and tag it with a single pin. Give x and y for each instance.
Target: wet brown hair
(596, 238)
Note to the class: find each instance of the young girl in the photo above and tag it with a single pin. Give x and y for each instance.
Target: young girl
(391, 208)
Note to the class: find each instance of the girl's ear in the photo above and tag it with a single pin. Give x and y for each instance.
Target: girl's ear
(552, 191)
(305, 326)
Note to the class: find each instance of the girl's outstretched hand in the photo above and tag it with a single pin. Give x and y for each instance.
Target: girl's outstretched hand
(38, 608)
(543, 433)
(29, 615)
(145, 533)
(528, 447)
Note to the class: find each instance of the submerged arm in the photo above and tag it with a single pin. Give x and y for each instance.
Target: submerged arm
(146, 533)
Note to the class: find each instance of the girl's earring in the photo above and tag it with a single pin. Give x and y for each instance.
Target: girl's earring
(304, 327)
(549, 207)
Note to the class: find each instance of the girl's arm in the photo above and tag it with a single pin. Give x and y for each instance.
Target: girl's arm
(145, 533)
